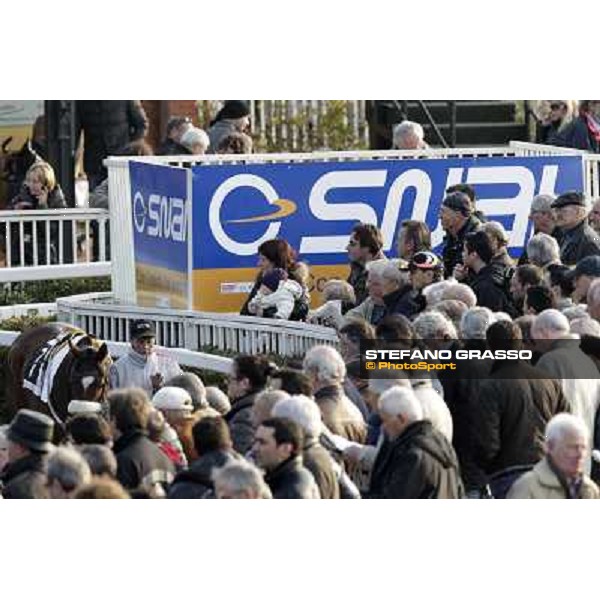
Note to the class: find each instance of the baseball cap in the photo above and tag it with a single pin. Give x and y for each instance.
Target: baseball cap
(425, 260)
(172, 398)
(141, 328)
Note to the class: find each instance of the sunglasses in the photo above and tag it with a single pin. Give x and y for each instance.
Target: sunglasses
(556, 106)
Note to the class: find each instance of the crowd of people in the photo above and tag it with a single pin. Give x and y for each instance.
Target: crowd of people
(318, 427)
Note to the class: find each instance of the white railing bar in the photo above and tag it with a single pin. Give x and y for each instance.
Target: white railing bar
(64, 271)
(47, 228)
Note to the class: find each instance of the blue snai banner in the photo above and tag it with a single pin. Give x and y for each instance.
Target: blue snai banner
(159, 197)
(314, 205)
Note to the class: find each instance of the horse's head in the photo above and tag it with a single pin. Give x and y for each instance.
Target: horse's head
(88, 378)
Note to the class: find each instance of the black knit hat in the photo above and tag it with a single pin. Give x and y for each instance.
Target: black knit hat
(32, 429)
(233, 109)
(459, 202)
(273, 278)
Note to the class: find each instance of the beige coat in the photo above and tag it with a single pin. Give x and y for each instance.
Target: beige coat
(542, 483)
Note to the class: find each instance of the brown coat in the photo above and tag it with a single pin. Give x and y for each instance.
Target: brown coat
(340, 415)
(542, 483)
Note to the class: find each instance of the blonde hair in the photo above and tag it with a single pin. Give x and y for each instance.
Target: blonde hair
(301, 272)
(46, 174)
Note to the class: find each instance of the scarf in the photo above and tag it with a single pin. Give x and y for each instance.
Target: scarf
(593, 126)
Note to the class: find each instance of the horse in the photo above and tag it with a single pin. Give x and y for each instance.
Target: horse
(82, 374)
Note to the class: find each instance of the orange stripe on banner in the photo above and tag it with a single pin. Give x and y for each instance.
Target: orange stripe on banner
(225, 290)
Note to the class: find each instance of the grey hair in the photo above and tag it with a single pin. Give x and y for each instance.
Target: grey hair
(551, 320)
(401, 401)
(218, 399)
(326, 363)
(393, 273)
(585, 326)
(338, 289)
(434, 325)
(377, 267)
(193, 385)
(460, 291)
(593, 295)
(453, 309)
(543, 249)
(564, 423)
(434, 292)
(475, 322)
(406, 129)
(302, 411)
(579, 311)
(195, 135)
(100, 459)
(240, 476)
(68, 467)
(542, 203)
(496, 230)
(266, 400)
(4, 430)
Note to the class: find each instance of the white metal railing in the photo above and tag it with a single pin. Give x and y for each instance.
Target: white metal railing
(52, 244)
(99, 315)
(591, 163)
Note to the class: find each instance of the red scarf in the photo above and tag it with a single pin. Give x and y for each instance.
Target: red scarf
(593, 126)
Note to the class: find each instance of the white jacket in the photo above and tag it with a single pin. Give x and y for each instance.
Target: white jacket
(283, 299)
(134, 370)
(329, 315)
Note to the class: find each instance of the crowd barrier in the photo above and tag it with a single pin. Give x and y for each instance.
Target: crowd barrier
(52, 244)
(99, 315)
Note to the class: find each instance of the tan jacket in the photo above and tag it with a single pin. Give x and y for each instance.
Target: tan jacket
(542, 483)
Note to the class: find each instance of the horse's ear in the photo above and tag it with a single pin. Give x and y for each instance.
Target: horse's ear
(74, 349)
(102, 353)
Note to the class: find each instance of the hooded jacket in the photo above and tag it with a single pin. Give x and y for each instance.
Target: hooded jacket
(510, 415)
(195, 482)
(278, 304)
(491, 288)
(420, 463)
